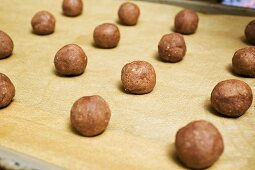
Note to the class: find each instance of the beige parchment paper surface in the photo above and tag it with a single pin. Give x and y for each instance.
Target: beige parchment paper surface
(142, 128)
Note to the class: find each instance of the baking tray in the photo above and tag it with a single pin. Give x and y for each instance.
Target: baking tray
(142, 128)
(207, 6)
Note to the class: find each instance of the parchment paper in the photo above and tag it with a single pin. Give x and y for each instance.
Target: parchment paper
(142, 128)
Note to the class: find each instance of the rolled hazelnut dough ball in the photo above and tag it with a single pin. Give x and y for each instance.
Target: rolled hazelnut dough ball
(243, 62)
(186, 21)
(231, 97)
(138, 77)
(90, 115)
(43, 23)
(7, 90)
(6, 45)
(129, 13)
(249, 32)
(70, 60)
(72, 8)
(199, 144)
(106, 35)
(172, 47)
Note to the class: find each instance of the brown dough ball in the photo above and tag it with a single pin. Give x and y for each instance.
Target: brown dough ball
(231, 97)
(6, 45)
(138, 77)
(243, 61)
(106, 35)
(199, 144)
(249, 32)
(43, 23)
(186, 21)
(90, 115)
(129, 13)
(72, 8)
(70, 60)
(172, 47)
(7, 90)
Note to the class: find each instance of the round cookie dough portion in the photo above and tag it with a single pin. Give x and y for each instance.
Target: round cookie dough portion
(70, 60)
(172, 47)
(128, 13)
(43, 23)
(6, 45)
(90, 115)
(186, 21)
(72, 8)
(243, 62)
(199, 144)
(138, 77)
(250, 33)
(231, 97)
(106, 35)
(7, 90)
